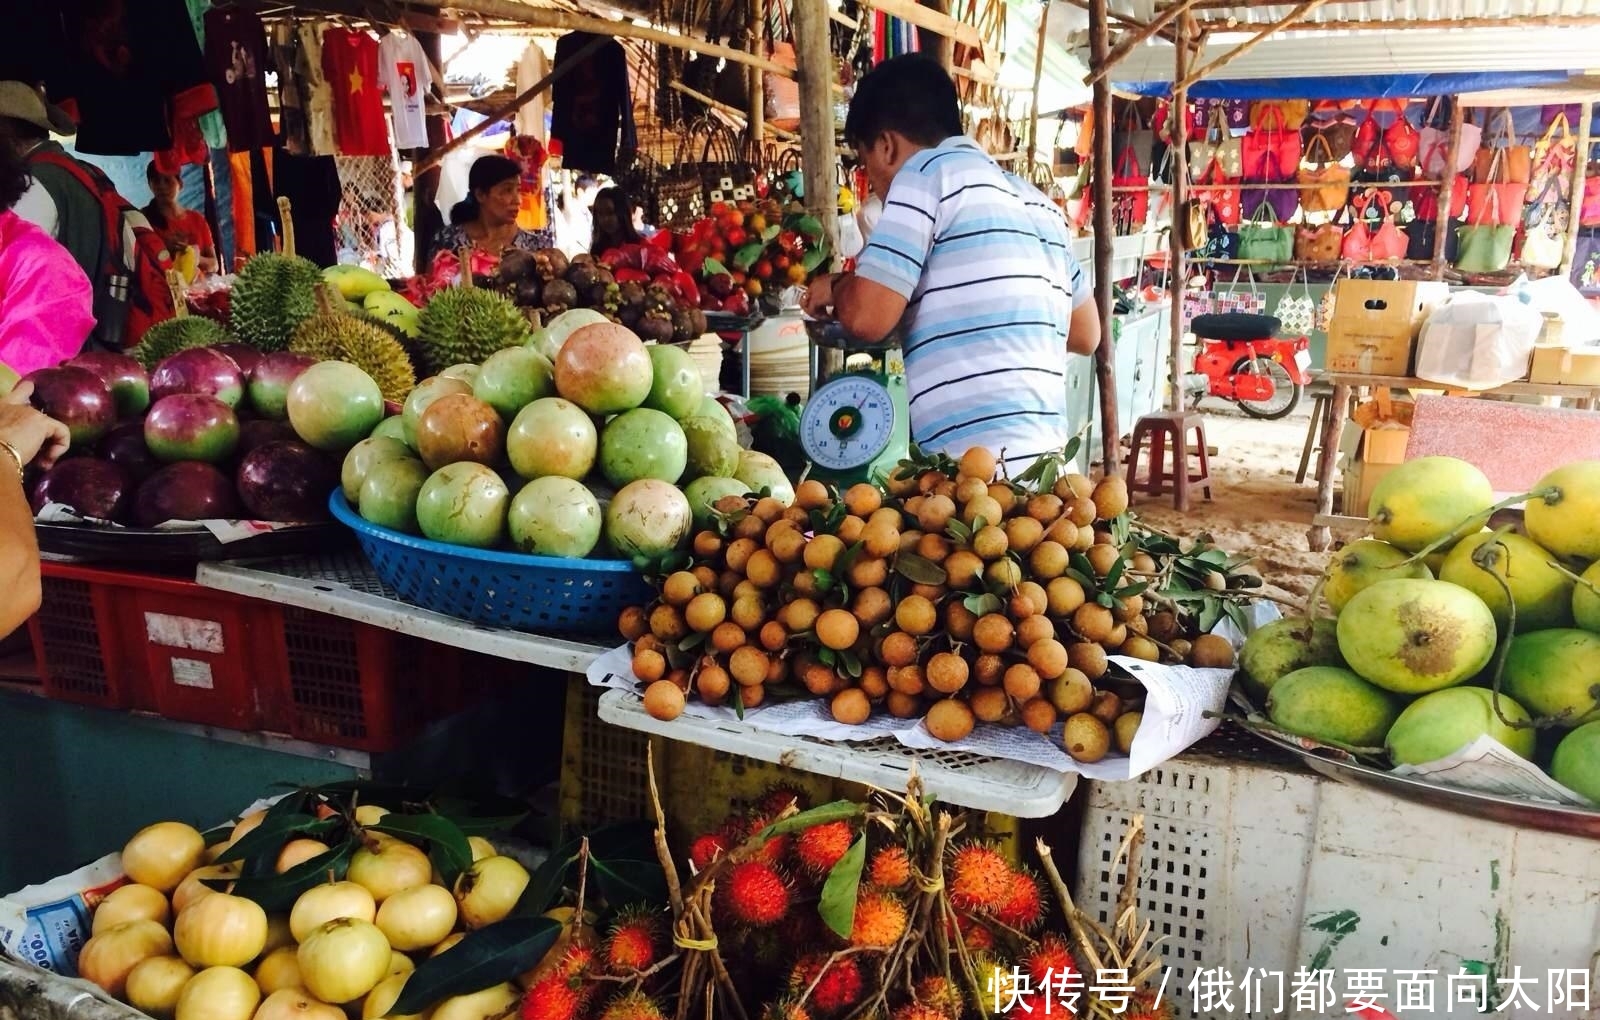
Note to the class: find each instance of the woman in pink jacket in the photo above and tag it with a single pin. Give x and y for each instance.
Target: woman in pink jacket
(45, 298)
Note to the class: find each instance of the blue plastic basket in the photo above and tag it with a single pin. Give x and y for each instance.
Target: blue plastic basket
(498, 589)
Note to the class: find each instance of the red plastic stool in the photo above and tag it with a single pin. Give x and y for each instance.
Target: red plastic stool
(1160, 473)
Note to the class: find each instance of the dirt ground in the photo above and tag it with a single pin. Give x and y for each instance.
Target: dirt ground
(1255, 505)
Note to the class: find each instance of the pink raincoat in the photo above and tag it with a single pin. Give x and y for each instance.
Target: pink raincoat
(45, 298)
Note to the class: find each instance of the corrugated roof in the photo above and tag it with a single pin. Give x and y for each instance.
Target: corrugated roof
(1372, 10)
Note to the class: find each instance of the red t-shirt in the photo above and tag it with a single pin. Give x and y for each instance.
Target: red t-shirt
(190, 230)
(350, 63)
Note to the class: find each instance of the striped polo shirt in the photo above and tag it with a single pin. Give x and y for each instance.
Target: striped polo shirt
(985, 264)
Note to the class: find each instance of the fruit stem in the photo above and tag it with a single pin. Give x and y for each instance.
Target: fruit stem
(576, 924)
(286, 223)
(1455, 533)
(324, 300)
(465, 257)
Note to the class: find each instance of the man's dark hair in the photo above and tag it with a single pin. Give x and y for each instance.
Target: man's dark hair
(14, 176)
(911, 95)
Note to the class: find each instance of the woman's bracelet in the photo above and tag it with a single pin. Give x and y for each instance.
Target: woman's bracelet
(11, 451)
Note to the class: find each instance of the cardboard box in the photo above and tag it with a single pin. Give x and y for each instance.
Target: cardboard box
(1360, 478)
(1550, 365)
(1385, 445)
(1366, 456)
(1375, 324)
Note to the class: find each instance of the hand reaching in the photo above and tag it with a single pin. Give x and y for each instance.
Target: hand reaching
(37, 438)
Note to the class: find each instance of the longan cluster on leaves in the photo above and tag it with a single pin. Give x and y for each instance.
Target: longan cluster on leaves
(946, 596)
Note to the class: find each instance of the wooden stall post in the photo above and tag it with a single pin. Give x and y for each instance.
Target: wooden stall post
(1178, 153)
(940, 45)
(819, 158)
(757, 77)
(1104, 241)
(1038, 76)
(1580, 166)
(1442, 226)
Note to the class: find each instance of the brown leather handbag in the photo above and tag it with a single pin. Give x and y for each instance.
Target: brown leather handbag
(1318, 243)
(1331, 182)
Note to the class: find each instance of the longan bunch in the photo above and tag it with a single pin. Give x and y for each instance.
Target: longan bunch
(947, 595)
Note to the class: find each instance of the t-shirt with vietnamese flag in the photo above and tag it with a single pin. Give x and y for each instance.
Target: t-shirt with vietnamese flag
(350, 63)
(403, 69)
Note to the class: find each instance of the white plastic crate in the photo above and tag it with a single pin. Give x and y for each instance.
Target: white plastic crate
(1267, 866)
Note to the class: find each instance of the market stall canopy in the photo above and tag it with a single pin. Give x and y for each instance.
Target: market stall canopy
(1410, 37)
(1061, 84)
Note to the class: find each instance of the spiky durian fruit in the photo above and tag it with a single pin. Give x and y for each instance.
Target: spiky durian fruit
(335, 336)
(272, 295)
(170, 336)
(465, 325)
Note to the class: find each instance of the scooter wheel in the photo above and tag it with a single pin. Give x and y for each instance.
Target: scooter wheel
(1280, 405)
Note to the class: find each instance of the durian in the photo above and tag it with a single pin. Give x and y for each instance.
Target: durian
(170, 336)
(331, 335)
(466, 325)
(272, 295)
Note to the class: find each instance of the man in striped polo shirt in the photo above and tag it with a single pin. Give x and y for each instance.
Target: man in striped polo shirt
(975, 260)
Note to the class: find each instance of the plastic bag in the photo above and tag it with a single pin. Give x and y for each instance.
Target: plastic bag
(1478, 341)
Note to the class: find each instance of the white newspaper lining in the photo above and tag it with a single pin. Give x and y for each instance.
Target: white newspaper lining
(1175, 716)
(223, 531)
(1488, 766)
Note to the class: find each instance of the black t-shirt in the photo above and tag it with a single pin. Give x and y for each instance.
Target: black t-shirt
(592, 113)
(126, 63)
(236, 59)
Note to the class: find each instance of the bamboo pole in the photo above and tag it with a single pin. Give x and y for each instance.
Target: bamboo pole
(509, 110)
(932, 20)
(1105, 354)
(1177, 270)
(1126, 45)
(1300, 11)
(1529, 21)
(757, 121)
(1038, 76)
(1580, 166)
(942, 47)
(817, 153)
(1442, 226)
(721, 107)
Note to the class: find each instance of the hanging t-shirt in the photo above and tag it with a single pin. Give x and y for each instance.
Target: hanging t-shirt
(318, 99)
(533, 68)
(236, 57)
(311, 183)
(593, 115)
(530, 157)
(212, 129)
(350, 62)
(403, 69)
(127, 67)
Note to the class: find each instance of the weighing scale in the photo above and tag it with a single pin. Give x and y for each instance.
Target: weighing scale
(856, 426)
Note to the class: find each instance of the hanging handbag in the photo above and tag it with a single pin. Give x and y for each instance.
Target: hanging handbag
(1219, 194)
(1215, 144)
(1544, 242)
(1516, 160)
(1585, 273)
(1318, 243)
(680, 197)
(1230, 114)
(1368, 137)
(1336, 136)
(1282, 201)
(1421, 240)
(1328, 184)
(1290, 113)
(1131, 196)
(1357, 243)
(1388, 241)
(1485, 248)
(1494, 201)
(1193, 225)
(1434, 142)
(1296, 315)
(1401, 143)
(1224, 243)
(1552, 157)
(1262, 240)
(1271, 149)
(1589, 208)
(727, 173)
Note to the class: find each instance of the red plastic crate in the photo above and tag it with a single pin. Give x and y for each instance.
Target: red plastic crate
(139, 641)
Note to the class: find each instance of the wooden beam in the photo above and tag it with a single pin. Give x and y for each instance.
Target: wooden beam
(566, 21)
(942, 47)
(1127, 43)
(1178, 153)
(932, 20)
(1038, 76)
(1104, 241)
(509, 110)
(733, 112)
(1580, 168)
(1380, 25)
(415, 19)
(757, 80)
(1442, 226)
(1300, 11)
(818, 157)
(1123, 19)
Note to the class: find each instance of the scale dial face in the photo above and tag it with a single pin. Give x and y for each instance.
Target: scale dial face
(847, 423)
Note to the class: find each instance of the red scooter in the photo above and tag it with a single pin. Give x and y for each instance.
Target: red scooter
(1240, 360)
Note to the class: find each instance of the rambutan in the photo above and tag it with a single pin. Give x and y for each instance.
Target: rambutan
(941, 994)
(554, 997)
(980, 879)
(633, 943)
(839, 988)
(576, 962)
(1143, 1005)
(754, 893)
(632, 1006)
(819, 848)
(1023, 909)
(785, 1009)
(1048, 961)
(890, 867)
(998, 980)
(977, 937)
(706, 849)
(880, 920)
(773, 802)
(920, 1011)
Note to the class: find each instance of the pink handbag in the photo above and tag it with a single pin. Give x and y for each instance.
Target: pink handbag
(1388, 241)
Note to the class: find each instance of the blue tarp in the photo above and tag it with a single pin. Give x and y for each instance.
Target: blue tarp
(1388, 86)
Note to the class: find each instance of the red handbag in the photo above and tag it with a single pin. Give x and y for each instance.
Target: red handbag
(1589, 211)
(1402, 142)
(1495, 201)
(1271, 151)
(1388, 241)
(1357, 246)
(1426, 201)
(1222, 196)
(1130, 207)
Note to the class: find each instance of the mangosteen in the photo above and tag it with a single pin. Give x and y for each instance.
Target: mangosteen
(485, 282)
(604, 275)
(631, 294)
(559, 295)
(583, 258)
(583, 275)
(550, 263)
(683, 325)
(606, 297)
(516, 265)
(530, 292)
(720, 284)
(654, 327)
(658, 301)
(629, 315)
(701, 327)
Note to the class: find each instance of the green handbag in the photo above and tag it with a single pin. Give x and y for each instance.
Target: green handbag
(1485, 248)
(1262, 240)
